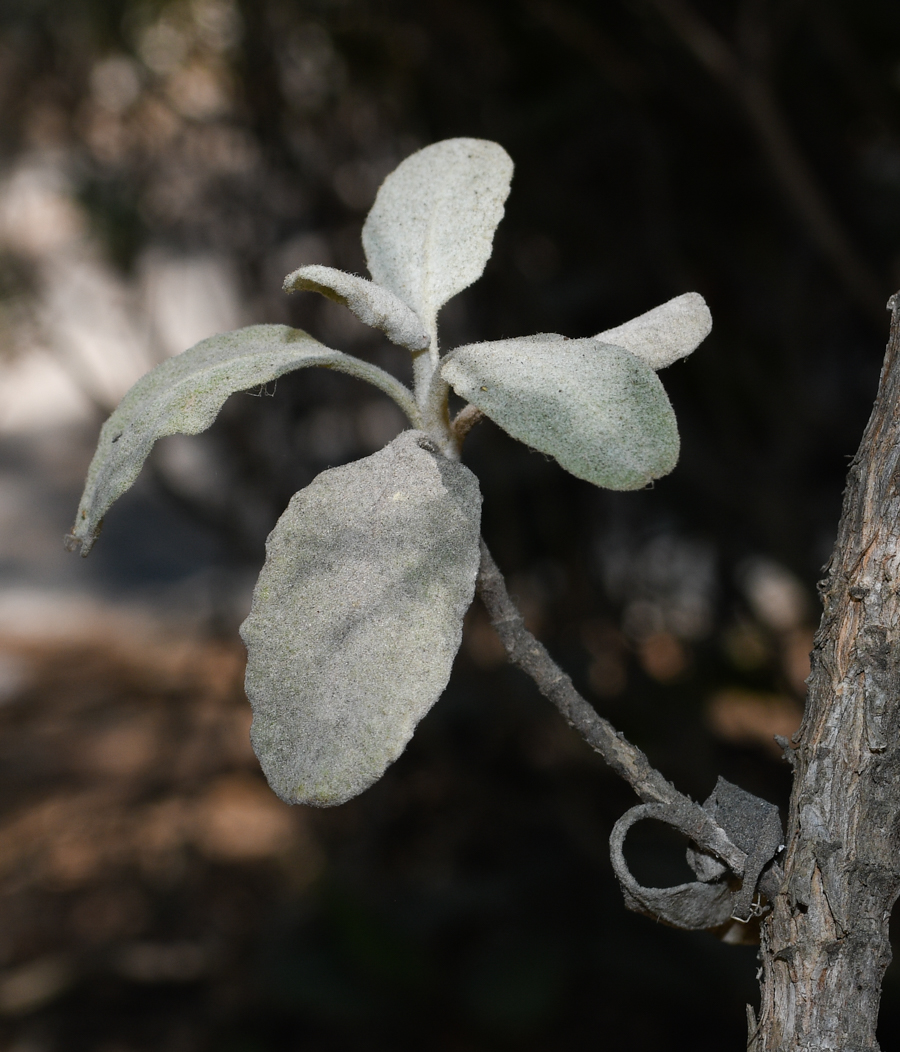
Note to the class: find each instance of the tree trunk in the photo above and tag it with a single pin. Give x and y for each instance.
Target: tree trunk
(825, 943)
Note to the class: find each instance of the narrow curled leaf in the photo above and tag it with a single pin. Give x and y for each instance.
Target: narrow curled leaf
(600, 411)
(431, 229)
(357, 616)
(371, 303)
(184, 394)
(666, 333)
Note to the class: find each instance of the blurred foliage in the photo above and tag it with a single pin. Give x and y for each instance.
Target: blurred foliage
(745, 149)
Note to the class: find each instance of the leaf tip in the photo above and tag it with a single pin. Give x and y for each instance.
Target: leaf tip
(666, 333)
(82, 538)
(304, 279)
(369, 301)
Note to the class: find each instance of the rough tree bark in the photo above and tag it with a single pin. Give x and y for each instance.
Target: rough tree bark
(825, 943)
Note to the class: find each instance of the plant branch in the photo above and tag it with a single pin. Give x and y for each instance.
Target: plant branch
(464, 421)
(826, 944)
(436, 414)
(627, 760)
(746, 81)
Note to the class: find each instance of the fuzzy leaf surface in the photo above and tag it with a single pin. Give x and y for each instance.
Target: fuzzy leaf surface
(184, 394)
(668, 332)
(431, 229)
(371, 303)
(600, 411)
(357, 617)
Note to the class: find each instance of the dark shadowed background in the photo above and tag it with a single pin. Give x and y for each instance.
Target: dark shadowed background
(162, 166)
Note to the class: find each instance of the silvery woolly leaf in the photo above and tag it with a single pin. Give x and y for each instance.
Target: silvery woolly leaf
(666, 333)
(357, 617)
(431, 229)
(600, 411)
(371, 303)
(184, 394)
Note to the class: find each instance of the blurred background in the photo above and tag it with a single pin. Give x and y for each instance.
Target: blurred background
(163, 164)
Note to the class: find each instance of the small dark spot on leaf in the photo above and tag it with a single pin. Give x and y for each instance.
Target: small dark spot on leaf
(116, 438)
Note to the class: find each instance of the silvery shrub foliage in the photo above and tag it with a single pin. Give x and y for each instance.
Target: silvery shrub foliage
(357, 615)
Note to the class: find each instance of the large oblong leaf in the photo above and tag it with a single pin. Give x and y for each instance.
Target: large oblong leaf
(668, 332)
(431, 229)
(357, 616)
(184, 394)
(371, 303)
(600, 411)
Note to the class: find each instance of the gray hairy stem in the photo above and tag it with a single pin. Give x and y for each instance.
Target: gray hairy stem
(432, 397)
(745, 73)
(627, 760)
(825, 944)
